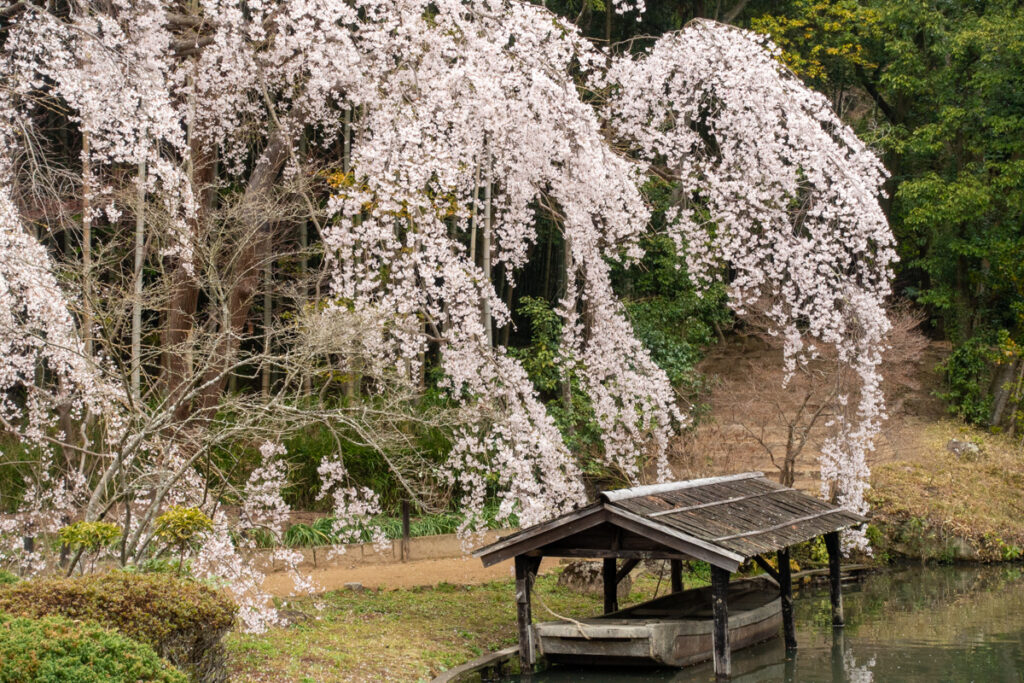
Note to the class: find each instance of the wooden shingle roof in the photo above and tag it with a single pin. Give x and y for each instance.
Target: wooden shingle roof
(722, 520)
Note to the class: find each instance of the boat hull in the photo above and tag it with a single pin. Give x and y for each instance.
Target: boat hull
(675, 630)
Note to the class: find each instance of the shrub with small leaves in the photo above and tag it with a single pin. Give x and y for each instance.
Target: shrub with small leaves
(89, 538)
(183, 620)
(7, 577)
(57, 650)
(182, 527)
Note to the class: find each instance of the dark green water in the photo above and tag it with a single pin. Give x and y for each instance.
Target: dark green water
(915, 625)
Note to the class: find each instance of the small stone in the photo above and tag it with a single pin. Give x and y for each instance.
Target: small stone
(355, 586)
(966, 450)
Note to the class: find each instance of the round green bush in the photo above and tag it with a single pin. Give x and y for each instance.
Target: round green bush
(183, 620)
(57, 650)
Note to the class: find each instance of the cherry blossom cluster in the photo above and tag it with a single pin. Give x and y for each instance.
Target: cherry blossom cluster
(776, 191)
(464, 119)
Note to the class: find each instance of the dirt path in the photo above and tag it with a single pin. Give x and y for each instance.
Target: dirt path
(457, 570)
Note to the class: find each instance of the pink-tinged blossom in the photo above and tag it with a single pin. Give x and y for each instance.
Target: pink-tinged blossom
(776, 187)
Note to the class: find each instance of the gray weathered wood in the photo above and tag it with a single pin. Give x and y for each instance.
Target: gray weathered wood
(786, 593)
(673, 538)
(541, 534)
(834, 570)
(720, 610)
(655, 489)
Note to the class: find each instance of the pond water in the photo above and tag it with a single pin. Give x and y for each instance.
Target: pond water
(907, 625)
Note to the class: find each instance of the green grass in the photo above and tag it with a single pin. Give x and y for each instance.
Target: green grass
(405, 635)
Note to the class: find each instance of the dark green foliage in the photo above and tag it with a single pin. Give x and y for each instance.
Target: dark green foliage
(939, 89)
(57, 650)
(7, 578)
(968, 373)
(183, 620)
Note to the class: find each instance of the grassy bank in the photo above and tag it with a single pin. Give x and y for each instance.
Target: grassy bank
(405, 635)
(932, 503)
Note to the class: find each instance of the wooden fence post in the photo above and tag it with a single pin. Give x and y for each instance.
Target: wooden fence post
(405, 531)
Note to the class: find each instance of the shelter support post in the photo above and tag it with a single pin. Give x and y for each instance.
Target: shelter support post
(786, 594)
(720, 609)
(835, 588)
(676, 570)
(526, 569)
(611, 586)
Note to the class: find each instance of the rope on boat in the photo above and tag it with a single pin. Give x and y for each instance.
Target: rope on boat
(556, 615)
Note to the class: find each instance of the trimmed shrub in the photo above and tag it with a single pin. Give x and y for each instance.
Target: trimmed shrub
(57, 650)
(183, 620)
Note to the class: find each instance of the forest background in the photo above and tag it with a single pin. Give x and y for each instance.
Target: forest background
(935, 88)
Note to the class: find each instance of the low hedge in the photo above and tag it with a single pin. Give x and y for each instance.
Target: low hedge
(183, 620)
(57, 650)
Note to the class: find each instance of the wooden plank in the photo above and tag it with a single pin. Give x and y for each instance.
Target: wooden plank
(715, 503)
(694, 547)
(786, 593)
(720, 634)
(652, 489)
(542, 534)
(777, 527)
(834, 576)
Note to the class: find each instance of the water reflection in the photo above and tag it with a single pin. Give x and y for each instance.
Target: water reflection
(915, 624)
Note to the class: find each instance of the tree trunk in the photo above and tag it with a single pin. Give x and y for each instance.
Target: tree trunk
(140, 256)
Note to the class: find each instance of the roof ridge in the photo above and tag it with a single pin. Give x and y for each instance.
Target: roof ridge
(652, 489)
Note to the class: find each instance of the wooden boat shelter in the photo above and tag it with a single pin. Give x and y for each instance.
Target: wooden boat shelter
(720, 520)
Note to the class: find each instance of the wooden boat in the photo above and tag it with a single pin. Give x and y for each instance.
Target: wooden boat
(673, 630)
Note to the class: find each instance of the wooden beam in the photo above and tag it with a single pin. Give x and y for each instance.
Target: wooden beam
(526, 570)
(834, 568)
(768, 569)
(611, 586)
(797, 520)
(676, 572)
(786, 594)
(720, 634)
(625, 569)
